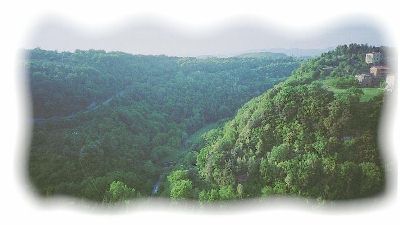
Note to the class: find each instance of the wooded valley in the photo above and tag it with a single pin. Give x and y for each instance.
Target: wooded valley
(111, 126)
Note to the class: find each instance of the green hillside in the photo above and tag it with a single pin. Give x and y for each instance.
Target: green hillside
(111, 126)
(313, 135)
(106, 120)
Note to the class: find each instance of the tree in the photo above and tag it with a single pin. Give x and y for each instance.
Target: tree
(267, 191)
(240, 191)
(118, 191)
(280, 153)
(372, 179)
(208, 196)
(181, 189)
(226, 193)
(180, 186)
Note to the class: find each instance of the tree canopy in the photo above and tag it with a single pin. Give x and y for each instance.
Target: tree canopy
(300, 138)
(102, 117)
(111, 126)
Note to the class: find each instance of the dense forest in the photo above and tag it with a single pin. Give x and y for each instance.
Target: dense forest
(108, 121)
(313, 135)
(110, 126)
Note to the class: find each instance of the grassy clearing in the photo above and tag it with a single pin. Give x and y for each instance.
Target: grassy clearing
(369, 93)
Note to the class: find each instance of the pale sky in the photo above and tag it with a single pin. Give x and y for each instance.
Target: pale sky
(155, 37)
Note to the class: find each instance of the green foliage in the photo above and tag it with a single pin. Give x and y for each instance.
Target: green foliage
(209, 196)
(181, 189)
(370, 93)
(103, 116)
(279, 153)
(177, 175)
(222, 193)
(191, 91)
(372, 179)
(312, 135)
(118, 191)
(267, 191)
(180, 185)
(226, 193)
(240, 191)
(341, 82)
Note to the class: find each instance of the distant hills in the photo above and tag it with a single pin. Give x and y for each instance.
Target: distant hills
(268, 55)
(274, 53)
(299, 52)
(284, 52)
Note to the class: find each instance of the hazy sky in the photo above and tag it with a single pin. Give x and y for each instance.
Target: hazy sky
(156, 37)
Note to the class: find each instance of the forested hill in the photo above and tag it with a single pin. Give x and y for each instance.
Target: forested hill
(184, 88)
(103, 120)
(131, 126)
(313, 135)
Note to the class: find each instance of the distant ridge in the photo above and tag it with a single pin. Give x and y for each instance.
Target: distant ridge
(299, 52)
(268, 55)
(252, 54)
(274, 53)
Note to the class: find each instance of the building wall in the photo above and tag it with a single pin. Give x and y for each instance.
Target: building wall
(368, 80)
(375, 57)
(390, 82)
(378, 71)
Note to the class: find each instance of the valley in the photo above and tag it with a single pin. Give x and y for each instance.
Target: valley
(86, 136)
(112, 127)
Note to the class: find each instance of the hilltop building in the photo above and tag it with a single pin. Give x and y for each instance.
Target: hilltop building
(373, 58)
(365, 80)
(379, 71)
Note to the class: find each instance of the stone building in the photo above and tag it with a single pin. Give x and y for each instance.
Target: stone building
(365, 80)
(379, 71)
(373, 57)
